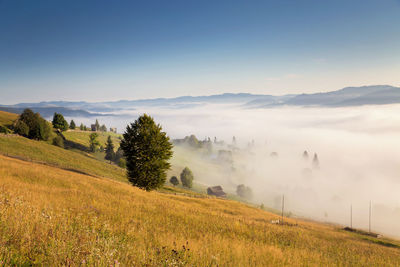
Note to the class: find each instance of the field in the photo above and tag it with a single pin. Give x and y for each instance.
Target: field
(7, 118)
(65, 207)
(82, 137)
(43, 152)
(50, 216)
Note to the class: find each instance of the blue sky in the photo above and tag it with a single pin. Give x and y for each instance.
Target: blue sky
(111, 50)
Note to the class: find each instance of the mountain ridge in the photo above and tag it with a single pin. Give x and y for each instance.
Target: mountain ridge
(348, 96)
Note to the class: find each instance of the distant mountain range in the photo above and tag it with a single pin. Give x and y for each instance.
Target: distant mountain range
(48, 112)
(349, 96)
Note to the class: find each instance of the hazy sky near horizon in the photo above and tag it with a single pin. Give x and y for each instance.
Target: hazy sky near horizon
(111, 50)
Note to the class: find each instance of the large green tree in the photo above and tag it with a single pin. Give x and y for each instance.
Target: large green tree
(59, 122)
(34, 126)
(147, 150)
(110, 154)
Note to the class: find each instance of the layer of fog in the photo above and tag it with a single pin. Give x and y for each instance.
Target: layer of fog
(358, 150)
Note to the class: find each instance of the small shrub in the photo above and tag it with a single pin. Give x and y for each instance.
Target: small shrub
(58, 141)
(122, 163)
(174, 180)
(118, 155)
(4, 129)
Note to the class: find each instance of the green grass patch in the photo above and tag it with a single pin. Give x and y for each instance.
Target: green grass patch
(82, 137)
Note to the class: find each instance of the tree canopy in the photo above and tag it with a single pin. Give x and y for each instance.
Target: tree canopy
(59, 122)
(72, 125)
(187, 177)
(97, 125)
(174, 180)
(93, 142)
(32, 125)
(21, 128)
(147, 150)
(110, 154)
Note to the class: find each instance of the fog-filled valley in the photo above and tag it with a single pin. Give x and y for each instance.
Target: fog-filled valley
(200, 133)
(358, 152)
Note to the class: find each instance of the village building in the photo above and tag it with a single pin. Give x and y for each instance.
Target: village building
(216, 191)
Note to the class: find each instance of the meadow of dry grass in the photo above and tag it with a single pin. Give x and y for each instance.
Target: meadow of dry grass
(7, 118)
(50, 216)
(39, 151)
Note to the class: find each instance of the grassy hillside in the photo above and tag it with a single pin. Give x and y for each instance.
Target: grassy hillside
(82, 137)
(50, 216)
(43, 152)
(7, 118)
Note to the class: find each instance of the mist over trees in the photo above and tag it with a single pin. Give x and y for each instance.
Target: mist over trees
(147, 150)
(244, 191)
(315, 161)
(187, 177)
(174, 181)
(103, 128)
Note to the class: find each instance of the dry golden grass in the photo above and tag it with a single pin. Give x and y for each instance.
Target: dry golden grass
(39, 151)
(50, 216)
(7, 118)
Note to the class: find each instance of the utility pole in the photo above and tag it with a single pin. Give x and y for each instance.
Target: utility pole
(351, 216)
(369, 224)
(283, 205)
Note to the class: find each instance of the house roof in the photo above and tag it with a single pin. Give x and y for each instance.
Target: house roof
(216, 190)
